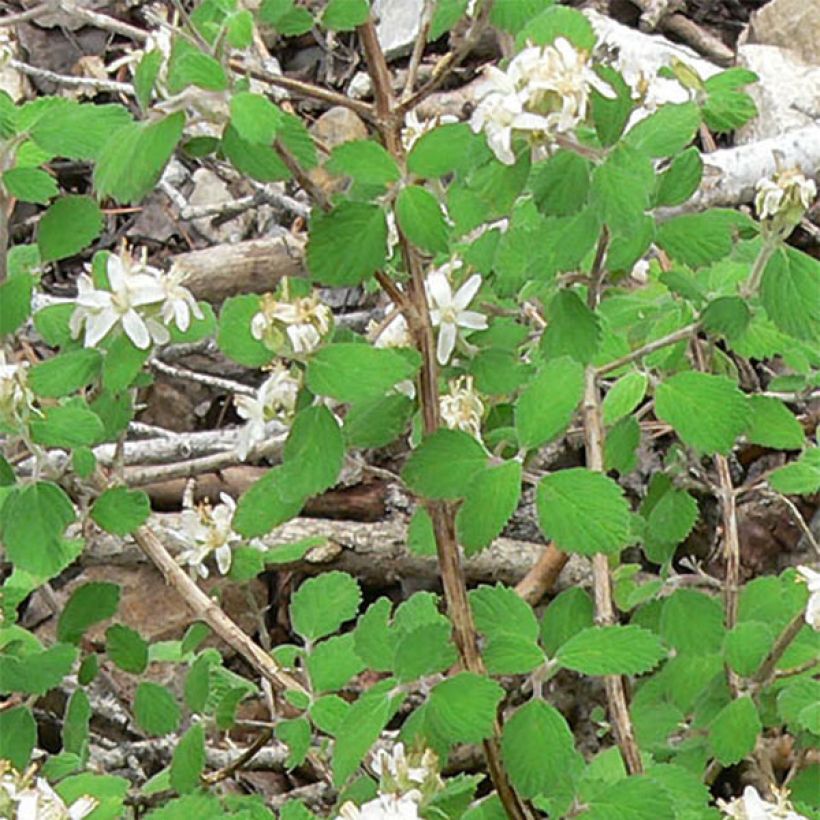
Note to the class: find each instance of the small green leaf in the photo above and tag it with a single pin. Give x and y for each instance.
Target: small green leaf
(621, 186)
(421, 219)
(624, 396)
(89, 604)
(37, 672)
(234, 338)
(373, 640)
(441, 150)
(708, 412)
(553, 22)
(538, 749)
(570, 612)
(332, 257)
(462, 709)
(583, 512)
(120, 511)
(444, 464)
(378, 421)
(188, 65)
(345, 15)
(692, 622)
(69, 425)
(426, 650)
(332, 663)
(327, 713)
(127, 648)
(611, 115)
(68, 226)
(365, 161)
(673, 517)
(612, 650)
(774, 425)
(315, 444)
(18, 734)
(351, 372)
(30, 185)
(790, 294)
(255, 118)
(269, 502)
(801, 477)
(321, 605)
(145, 76)
(746, 646)
(546, 406)
(15, 301)
(560, 184)
(681, 179)
(63, 374)
(511, 655)
(573, 329)
(492, 498)
(296, 734)
(727, 315)
(75, 724)
(188, 761)
(733, 733)
(665, 132)
(155, 709)
(698, 239)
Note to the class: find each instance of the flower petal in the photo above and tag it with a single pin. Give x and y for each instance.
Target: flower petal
(464, 295)
(446, 342)
(136, 330)
(439, 289)
(472, 320)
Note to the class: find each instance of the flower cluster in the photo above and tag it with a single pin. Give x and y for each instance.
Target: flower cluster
(291, 326)
(207, 531)
(448, 310)
(543, 92)
(782, 200)
(404, 783)
(275, 400)
(143, 300)
(462, 408)
(751, 806)
(28, 798)
(812, 578)
(16, 399)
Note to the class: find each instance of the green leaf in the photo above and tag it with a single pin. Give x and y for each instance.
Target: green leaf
(801, 477)
(560, 184)
(188, 761)
(33, 521)
(583, 512)
(68, 226)
(795, 697)
(673, 517)
(633, 798)
(315, 444)
(197, 683)
(89, 604)
(553, 22)
(611, 115)
(727, 315)
(234, 337)
(573, 329)
(127, 648)
(492, 498)
(444, 464)
(155, 709)
(373, 639)
(332, 257)
(188, 65)
(258, 161)
(443, 149)
(332, 663)
(18, 734)
(255, 118)
(726, 109)
(78, 130)
(774, 425)
(269, 502)
(240, 29)
(378, 421)
(108, 790)
(327, 713)
(421, 219)
(118, 175)
(68, 425)
(123, 363)
(692, 623)
(707, 412)
(462, 709)
(621, 186)
(145, 76)
(790, 294)
(426, 650)
(698, 239)
(612, 650)
(511, 655)
(665, 132)
(65, 373)
(15, 301)
(75, 724)
(681, 179)
(37, 672)
(30, 185)
(321, 605)
(746, 646)
(345, 15)
(296, 734)
(351, 372)
(498, 372)
(569, 613)
(546, 406)
(733, 733)
(538, 749)
(120, 511)
(365, 161)
(512, 15)
(624, 396)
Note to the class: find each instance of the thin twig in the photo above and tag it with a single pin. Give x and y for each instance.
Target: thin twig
(71, 82)
(418, 49)
(107, 23)
(24, 16)
(235, 765)
(306, 183)
(789, 633)
(183, 373)
(650, 347)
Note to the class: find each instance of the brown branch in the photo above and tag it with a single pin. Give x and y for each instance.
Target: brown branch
(24, 16)
(235, 765)
(308, 185)
(602, 586)
(418, 50)
(649, 347)
(379, 73)
(789, 633)
(542, 575)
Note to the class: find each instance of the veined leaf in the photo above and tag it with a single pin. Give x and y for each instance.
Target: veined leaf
(444, 464)
(612, 650)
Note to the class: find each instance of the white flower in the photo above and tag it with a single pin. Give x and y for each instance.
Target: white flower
(25, 798)
(100, 310)
(16, 400)
(461, 408)
(788, 195)
(384, 807)
(448, 311)
(395, 333)
(396, 766)
(813, 607)
(414, 128)
(751, 806)
(305, 321)
(544, 91)
(205, 531)
(275, 400)
(179, 303)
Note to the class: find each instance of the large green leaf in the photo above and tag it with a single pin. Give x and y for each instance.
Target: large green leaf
(188, 761)
(681, 179)
(444, 465)
(365, 161)
(492, 498)
(441, 150)
(321, 605)
(345, 15)
(68, 226)
(621, 186)
(269, 502)
(560, 184)
(421, 219)
(255, 118)
(698, 239)
(791, 294)
(612, 650)
(234, 337)
(315, 445)
(708, 412)
(669, 130)
(89, 604)
(68, 425)
(624, 396)
(500, 610)
(333, 258)
(733, 733)
(15, 301)
(583, 512)
(120, 510)
(425, 650)
(30, 185)
(375, 422)
(462, 709)
(78, 130)
(774, 425)
(156, 709)
(65, 373)
(573, 329)
(570, 612)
